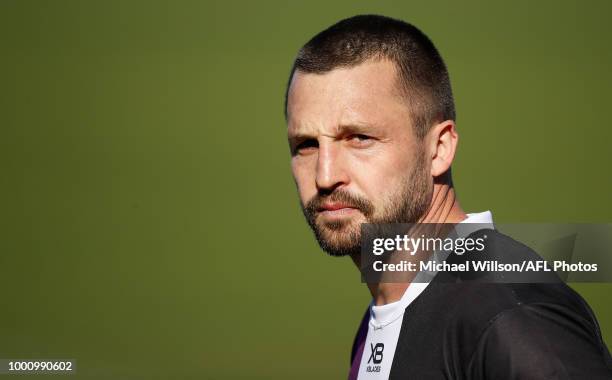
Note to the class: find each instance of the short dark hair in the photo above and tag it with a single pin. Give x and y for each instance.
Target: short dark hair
(423, 77)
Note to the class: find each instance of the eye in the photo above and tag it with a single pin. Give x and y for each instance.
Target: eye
(360, 140)
(306, 146)
(360, 137)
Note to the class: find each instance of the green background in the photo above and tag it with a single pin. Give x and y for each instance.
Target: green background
(150, 226)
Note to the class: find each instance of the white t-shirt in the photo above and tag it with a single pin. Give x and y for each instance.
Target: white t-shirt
(386, 320)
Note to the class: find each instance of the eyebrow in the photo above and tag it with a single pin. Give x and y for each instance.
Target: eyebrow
(342, 130)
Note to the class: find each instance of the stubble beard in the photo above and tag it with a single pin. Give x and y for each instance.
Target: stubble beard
(405, 205)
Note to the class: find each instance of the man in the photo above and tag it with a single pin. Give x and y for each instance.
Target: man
(372, 136)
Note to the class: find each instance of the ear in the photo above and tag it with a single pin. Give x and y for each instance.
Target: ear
(442, 142)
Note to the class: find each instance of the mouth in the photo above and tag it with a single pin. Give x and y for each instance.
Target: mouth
(337, 210)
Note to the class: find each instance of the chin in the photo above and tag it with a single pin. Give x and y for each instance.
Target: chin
(340, 240)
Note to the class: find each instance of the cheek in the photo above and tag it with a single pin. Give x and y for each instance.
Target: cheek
(304, 177)
(379, 177)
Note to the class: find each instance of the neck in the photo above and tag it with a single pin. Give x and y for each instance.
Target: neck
(444, 208)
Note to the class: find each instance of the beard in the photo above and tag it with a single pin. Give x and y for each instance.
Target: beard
(406, 204)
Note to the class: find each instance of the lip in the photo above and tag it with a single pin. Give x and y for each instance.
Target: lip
(335, 207)
(337, 210)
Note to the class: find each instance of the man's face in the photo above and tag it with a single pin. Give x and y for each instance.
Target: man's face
(355, 157)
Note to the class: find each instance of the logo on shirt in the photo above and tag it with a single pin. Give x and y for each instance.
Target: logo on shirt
(376, 357)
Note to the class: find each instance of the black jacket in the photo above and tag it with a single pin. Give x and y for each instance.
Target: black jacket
(462, 327)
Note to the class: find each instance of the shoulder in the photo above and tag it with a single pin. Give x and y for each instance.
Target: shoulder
(492, 319)
(540, 341)
(479, 298)
(482, 294)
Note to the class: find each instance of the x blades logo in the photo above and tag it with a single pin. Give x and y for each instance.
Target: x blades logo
(377, 353)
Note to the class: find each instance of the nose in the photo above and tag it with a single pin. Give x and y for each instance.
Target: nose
(331, 173)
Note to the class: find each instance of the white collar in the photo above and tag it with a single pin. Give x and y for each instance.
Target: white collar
(383, 315)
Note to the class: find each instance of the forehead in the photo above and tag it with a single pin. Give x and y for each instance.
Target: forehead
(367, 93)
